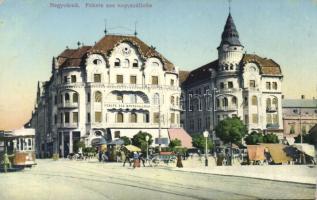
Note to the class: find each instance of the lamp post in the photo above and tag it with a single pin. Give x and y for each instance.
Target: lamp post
(206, 157)
(147, 146)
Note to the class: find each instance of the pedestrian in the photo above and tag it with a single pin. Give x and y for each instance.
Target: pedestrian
(141, 158)
(100, 155)
(136, 161)
(127, 156)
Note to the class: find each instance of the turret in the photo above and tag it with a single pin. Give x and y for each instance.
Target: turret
(230, 50)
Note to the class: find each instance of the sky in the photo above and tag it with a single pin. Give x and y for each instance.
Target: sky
(187, 32)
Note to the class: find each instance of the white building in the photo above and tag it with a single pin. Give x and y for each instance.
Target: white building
(116, 88)
(236, 84)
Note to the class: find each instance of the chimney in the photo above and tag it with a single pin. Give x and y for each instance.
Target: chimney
(303, 96)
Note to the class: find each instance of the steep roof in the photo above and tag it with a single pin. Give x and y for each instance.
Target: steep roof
(267, 66)
(200, 74)
(75, 57)
(183, 76)
(230, 34)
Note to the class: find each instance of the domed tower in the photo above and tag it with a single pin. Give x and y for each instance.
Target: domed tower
(230, 50)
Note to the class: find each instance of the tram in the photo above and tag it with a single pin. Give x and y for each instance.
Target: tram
(20, 147)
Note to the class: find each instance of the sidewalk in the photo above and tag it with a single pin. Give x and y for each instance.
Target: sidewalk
(306, 174)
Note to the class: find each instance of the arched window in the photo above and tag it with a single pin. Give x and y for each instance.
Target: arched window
(75, 98)
(234, 100)
(268, 103)
(218, 103)
(156, 99)
(225, 102)
(98, 133)
(172, 100)
(133, 118)
(126, 63)
(135, 63)
(98, 96)
(120, 118)
(117, 62)
(155, 64)
(66, 97)
(274, 102)
(254, 100)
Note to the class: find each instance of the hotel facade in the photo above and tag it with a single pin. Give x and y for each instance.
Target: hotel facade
(116, 88)
(236, 84)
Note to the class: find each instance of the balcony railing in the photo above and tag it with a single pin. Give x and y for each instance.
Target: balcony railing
(68, 105)
(227, 108)
(271, 109)
(67, 125)
(272, 126)
(228, 90)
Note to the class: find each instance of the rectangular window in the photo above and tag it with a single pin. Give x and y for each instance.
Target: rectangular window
(120, 97)
(275, 119)
(132, 79)
(246, 119)
(154, 80)
(222, 85)
(73, 78)
(88, 97)
(230, 84)
(120, 79)
(66, 117)
(117, 134)
(156, 117)
(146, 118)
(88, 117)
(274, 85)
(65, 79)
(172, 118)
(252, 84)
(97, 78)
(75, 117)
(55, 99)
(254, 118)
(61, 118)
(268, 119)
(172, 82)
(268, 85)
(98, 117)
(55, 119)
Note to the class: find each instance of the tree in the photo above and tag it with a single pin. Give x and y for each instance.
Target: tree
(231, 130)
(174, 143)
(199, 141)
(139, 140)
(270, 138)
(254, 138)
(126, 140)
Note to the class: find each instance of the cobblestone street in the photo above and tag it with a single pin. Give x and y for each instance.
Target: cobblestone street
(66, 179)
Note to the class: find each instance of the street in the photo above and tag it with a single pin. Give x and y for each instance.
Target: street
(65, 179)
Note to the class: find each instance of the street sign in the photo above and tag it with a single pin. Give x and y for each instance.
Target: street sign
(161, 140)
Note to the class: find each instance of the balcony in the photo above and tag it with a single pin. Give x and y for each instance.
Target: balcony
(127, 105)
(271, 109)
(68, 105)
(64, 86)
(127, 86)
(227, 108)
(175, 107)
(67, 125)
(227, 90)
(272, 126)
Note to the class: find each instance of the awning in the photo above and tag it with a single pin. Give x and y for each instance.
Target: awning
(182, 135)
(116, 142)
(305, 148)
(278, 152)
(255, 152)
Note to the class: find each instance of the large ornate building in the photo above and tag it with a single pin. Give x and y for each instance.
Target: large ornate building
(236, 84)
(116, 88)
